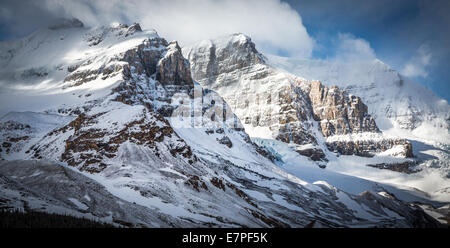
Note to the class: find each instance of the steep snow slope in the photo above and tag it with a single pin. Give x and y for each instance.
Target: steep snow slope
(18, 130)
(120, 111)
(35, 69)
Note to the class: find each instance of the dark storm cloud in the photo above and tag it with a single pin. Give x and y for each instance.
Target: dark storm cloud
(19, 18)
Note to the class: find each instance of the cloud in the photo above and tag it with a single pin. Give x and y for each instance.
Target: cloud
(19, 18)
(352, 49)
(273, 25)
(417, 66)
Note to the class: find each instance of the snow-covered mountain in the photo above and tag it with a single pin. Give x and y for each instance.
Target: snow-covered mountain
(282, 105)
(278, 105)
(400, 106)
(394, 101)
(116, 129)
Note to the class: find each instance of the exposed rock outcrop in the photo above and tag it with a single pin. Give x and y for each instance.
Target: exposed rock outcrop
(405, 167)
(237, 53)
(368, 148)
(313, 153)
(236, 70)
(225, 141)
(145, 57)
(90, 147)
(135, 27)
(173, 68)
(338, 112)
(154, 57)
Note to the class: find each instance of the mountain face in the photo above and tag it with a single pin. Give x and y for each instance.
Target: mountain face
(373, 117)
(125, 135)
(394, 101)
(282, 106)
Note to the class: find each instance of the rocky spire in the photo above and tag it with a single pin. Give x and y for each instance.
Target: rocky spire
(173, 68)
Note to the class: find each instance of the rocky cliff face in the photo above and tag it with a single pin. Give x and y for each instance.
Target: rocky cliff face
(275, 104)
(368, 148)
(238, 53)
(233, 67)
(145, 57)
(173, 68)
(393, 100)
(338, 112)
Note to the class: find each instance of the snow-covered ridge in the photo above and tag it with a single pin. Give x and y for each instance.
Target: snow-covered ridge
(38, 69)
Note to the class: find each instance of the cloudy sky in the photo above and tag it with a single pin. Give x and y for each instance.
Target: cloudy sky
(413, 36)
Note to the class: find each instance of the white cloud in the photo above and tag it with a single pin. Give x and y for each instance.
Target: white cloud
(418, 64)
(274, 26)
(352, 49)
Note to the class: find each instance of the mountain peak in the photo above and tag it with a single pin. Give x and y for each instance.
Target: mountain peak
(240, 37)
(134, 27)
(226, 54)
(236, 40)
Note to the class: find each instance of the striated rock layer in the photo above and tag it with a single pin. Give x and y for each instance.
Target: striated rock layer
(338, 112)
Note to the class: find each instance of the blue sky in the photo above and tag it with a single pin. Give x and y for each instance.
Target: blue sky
(412, 36)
